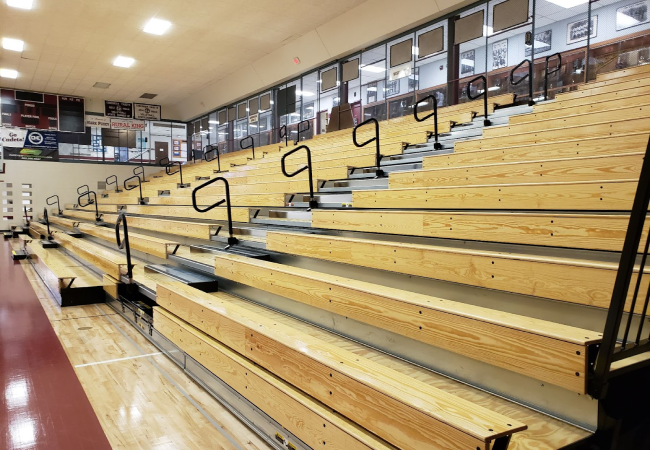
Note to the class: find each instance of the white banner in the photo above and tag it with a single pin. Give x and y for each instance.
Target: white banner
(13, 137)
(146, 112)
(401, 71)
(127, 124)
(98, 121)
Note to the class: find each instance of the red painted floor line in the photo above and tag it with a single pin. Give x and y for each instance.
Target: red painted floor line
(42, 403)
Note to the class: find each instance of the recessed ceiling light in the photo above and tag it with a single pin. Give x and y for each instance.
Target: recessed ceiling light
(567, 3)
(157, 26)
(22, 4)
(13, 44)
(8, 73)
(123, 61)
(101, 85)
(148, 95)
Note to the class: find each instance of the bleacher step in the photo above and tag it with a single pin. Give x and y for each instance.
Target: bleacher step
(351, 184)
(49, 244)
(193, 279)
(18, 255)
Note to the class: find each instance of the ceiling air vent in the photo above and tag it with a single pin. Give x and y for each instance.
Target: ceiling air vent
(100, 85)
(149, 96)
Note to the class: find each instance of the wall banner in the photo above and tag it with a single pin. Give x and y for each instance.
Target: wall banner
(127, 124)
(98, 121)
(146, 112)
(30, 144)
(118, 109)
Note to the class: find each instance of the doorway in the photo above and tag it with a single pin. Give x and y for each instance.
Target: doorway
(162, 151)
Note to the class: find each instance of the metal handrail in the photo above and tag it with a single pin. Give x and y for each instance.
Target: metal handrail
(547, 73)
(141, 172)
(312, 201)
(90, 202)
(115, 182)
(168, 165)
(302, 131)
(124, 244)
(528, 76)
(213, 148)
(58, 204)
(83, 185)
(46, 218)
(26, 215)
(284, 136)
(250, 146)
(437, 145)
(486, 122)
(140, 200)
(232, 240)
(378, 171)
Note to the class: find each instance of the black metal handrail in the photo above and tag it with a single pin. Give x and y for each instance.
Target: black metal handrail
(140, 172)
(168, 167)
(213, 148)
(528, 76)
(378, 171)
(486, 122)
(90, 202)
(46, 218)
(124, 244)
(252, 146)
(126, 188)
(300, 131)
(312, 201)
(232, 240)
(26, 215)
(612, 349)
(114, 181)
(284, 135)
(84, 191)
(58, 204)
(437, 145)
(547, 73)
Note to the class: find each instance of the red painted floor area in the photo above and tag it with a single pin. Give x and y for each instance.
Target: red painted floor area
(42, 404)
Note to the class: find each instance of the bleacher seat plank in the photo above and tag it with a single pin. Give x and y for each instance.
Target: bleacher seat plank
(540, 349)
(261, 199)
(606, 96)
(606, 145)
(591, 118)
(568, 134)
(147, 244)
(617, 74)
(68, 223)
(616, 167)
(587, 231)
(565, 279)
(370, 394)
(573, 196)
(110, 262)
(77, 214)
(219, 213)
(595, 90)
(302, 415)
(199, 230)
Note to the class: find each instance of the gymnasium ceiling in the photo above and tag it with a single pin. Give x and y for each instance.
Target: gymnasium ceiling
(71, 44)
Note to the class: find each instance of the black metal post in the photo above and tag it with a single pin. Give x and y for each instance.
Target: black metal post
(124, 244)
(26, 215)
(232, 240)
(284, 135)
(58, 204)
(164, 162)
(46, 218)
(300, 130)
(378, 171)
(252, 146)
(547, 73)
(437, 145)
(113, 179)
(140, 200)
(528, 76)
(312, 201)
(139, 171)
(486, 121)
(213, 149)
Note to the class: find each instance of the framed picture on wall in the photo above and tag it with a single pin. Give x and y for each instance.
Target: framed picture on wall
(392, 88)
(542, 43)
(500, 54)
(578, 31)
(467, 63)
(632, 15)
(177, 153)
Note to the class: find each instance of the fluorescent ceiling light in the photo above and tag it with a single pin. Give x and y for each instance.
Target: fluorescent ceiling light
(494, 88)
(216, 122)
(415, 50)
(373, 69)
(123, 61)
(22, 4)
(305, 93)
(567, 3)
(157, 26)
(487, 31)
(8, 73)
(13, 44)
(372, 89)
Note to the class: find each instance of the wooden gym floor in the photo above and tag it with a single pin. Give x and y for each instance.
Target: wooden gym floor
(82, 378)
